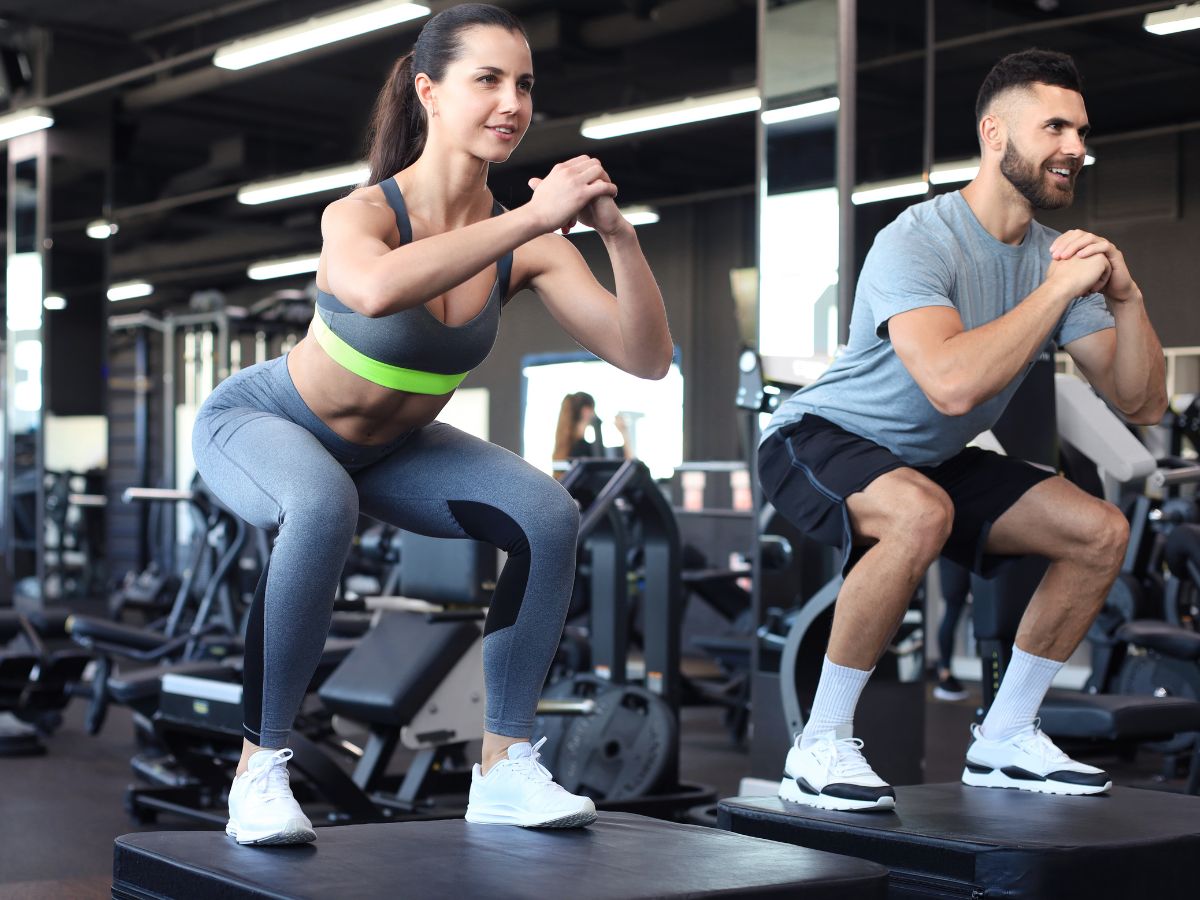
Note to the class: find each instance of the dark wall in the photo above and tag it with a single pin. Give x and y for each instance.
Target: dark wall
(74, 366)
(691, 250)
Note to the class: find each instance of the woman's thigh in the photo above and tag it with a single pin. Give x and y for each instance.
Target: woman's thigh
(262, 466)
(416, 487)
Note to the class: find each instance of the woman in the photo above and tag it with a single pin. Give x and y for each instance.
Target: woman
(414, 271)
(577, 412)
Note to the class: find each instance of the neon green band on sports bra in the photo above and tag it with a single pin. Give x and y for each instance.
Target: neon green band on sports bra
(395, 377)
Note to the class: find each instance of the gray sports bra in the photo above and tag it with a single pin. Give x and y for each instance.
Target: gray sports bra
(410, 350)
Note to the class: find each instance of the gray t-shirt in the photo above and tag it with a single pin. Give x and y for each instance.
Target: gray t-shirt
(934, 254)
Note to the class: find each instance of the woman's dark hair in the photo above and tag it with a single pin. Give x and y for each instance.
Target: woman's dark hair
(1018, 70)
(397, 132)
(569, 414)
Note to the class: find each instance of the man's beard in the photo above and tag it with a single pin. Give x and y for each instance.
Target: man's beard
(1030, 181)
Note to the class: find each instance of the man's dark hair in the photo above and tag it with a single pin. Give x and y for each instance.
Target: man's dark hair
(1018, 70)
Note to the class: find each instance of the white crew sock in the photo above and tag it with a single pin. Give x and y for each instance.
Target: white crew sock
(833, 707)
(1021, 692)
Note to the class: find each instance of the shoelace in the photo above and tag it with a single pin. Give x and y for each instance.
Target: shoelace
(272, 780)
(843, 757)
(531, 768)
(1038, 745)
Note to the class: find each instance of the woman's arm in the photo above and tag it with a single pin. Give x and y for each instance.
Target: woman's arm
(376, 280)
(628, 329)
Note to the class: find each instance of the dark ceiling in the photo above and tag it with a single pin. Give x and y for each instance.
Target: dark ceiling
(1133, 80)
(165, 145)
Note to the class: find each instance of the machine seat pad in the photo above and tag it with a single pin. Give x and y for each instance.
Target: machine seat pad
(104, 631)
(141, 684)
(395, 668)
(1167, 639)
(1074, 714)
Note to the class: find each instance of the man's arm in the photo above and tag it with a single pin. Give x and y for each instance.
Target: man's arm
(959, 369)
(1125, 364)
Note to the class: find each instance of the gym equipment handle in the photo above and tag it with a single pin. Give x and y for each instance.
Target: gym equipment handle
(1161, 478)
(140, 493)
(87, 499)
(566, 707)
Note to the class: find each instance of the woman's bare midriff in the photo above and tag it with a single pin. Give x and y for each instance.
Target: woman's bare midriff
(356, 409)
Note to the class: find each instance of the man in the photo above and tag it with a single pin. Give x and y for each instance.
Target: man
(957, 298)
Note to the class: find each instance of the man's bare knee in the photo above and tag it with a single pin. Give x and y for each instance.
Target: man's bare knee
(905, 510)
(1097, 544)
(920, 519)
(1107, 540)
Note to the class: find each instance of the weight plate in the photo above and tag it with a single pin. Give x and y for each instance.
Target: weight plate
(620, 751)
(554, 727)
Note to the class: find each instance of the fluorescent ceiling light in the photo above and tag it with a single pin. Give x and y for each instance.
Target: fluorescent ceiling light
(54, 302)
(1183, 17)
(128, 290)
(667, 115)
(888, 190)
(634, 215)
(303, 183)
(951, 172)
(100, 229)
(279, 268)
(23, 121)
(316, 32)
(801, 111)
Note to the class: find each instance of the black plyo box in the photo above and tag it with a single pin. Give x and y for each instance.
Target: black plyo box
(949, 840)
(620, 857)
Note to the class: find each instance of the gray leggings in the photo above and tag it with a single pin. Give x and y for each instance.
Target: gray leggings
(271, 460)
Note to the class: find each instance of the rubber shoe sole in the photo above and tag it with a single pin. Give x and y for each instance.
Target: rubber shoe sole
(580, 819)
(294, 832)
(789, 790)
(997, 779)
(940, 693)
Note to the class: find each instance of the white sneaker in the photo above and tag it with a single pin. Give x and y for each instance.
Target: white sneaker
(1029, 761)
(262, 809)
(521, 791)
(831, 773)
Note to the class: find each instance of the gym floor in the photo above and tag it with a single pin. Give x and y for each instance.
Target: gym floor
(61, 811)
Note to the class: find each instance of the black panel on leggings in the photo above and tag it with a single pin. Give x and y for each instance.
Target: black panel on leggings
(491, 525)
(252, 664)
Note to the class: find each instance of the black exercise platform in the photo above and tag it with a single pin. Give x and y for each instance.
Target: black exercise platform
(949, 840)
(622, 856)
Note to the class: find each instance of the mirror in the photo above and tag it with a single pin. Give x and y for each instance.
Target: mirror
(23, 365)
(799, 217)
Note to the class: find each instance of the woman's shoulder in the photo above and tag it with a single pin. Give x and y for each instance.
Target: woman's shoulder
(363, 208)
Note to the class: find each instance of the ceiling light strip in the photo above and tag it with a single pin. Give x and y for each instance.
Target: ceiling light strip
(303, 183)
(316, 32)
(669, 115)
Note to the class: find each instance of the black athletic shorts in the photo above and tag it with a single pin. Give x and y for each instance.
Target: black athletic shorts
(808, 469)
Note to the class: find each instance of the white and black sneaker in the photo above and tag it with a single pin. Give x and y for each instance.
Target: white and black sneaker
(521, 791)
(1029, 761)
(831, 773)
(262, 809)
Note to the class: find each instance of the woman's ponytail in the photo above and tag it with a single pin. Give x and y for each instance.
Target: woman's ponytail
(397, 132)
